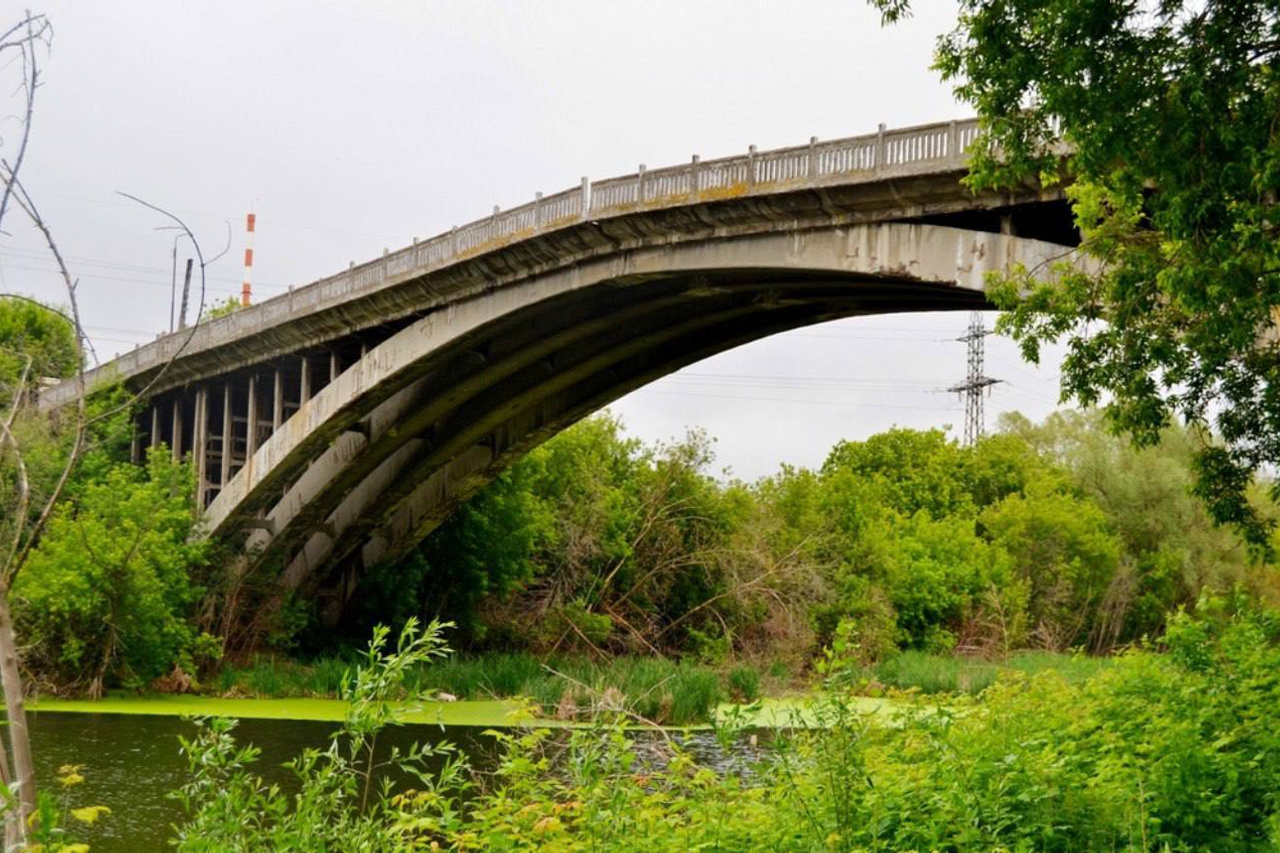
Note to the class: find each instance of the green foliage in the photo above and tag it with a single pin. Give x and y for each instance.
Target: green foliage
(227, 306)
(347, 799)
(31, 331)
(590, 541)
(1051, 535)
(744, 684)
(906, 471)
(55, 819)
(949, 673)
(1061, 547)
(1177, 752)
(107, 595)
(1168, 110)
(1147, 754)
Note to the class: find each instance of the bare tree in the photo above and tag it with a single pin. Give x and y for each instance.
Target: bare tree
(22, 45)
(27, 506)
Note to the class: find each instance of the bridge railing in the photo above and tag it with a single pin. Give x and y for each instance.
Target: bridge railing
(881, 154)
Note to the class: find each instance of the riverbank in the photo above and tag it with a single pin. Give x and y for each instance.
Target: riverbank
(492, 713)
(564, 688)
(510, 690)
(661, 691)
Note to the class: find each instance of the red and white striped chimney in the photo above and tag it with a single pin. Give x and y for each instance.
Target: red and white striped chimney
(246, 291)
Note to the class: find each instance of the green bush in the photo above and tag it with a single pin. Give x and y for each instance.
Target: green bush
(1154, 752)
(105, 599)
(744, 684)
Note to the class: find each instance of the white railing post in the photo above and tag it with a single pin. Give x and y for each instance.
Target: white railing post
(880, 148)
(586, 197)
(640, 184)
(953, 142)
(751, 165)
(813, 156)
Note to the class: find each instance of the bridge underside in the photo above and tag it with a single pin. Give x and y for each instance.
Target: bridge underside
(339, 459)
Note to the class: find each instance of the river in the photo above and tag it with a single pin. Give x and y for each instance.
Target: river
(132, 762)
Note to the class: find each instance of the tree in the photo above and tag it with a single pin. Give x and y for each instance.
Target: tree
(1168, 112)
(107, 594)
(909, 470)
(1172, 550)
(38, 456)
(1061, 546)
(28, 498)
(36, 342)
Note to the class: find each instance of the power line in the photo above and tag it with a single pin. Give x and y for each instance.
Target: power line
(976, 382)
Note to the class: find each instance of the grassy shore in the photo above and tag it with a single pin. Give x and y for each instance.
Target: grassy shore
(573, 689)
(931, 674)
(566, 688)
(492, 713)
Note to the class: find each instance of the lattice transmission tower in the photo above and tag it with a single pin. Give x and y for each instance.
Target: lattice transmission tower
(976, 382)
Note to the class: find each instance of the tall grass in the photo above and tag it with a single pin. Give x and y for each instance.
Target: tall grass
(659, 690)
(931, 673)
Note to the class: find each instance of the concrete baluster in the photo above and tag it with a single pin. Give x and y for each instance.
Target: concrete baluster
(813, 156)
(640, 184)
(586, 197)
(537, 211)
(693, 177)
(751, 165)
(880, 149)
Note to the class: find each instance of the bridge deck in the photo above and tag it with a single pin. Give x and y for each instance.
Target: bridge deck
(261, 331)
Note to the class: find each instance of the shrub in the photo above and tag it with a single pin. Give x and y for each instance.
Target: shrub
(744, 684)
(105, 598)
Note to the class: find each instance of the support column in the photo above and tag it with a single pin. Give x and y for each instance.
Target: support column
(333, 365)
(200, 444)
(277, 402)
(227, 437)
(155, 424)
(135, 445)
(304, 394)
(251, 428)
(176, 443)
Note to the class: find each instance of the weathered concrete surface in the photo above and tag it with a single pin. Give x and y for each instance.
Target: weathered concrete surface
(380, 455)
(889, 176)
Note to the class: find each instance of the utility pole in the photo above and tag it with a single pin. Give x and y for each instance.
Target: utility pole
(173, 284)
(976, 381)
(186, 290)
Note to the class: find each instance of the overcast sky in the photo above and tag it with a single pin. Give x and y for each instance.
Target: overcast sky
(352, 127)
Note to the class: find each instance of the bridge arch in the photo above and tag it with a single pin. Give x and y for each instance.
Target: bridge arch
(334, 425)
(380, 455)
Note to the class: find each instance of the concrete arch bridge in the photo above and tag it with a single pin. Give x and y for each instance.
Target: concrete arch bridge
(334, 426)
